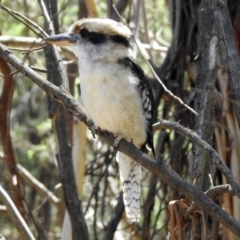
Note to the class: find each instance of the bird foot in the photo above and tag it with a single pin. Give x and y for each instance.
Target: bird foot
(117, 140)
(94, 128)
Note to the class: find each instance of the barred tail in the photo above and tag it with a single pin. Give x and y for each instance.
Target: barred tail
(130, 174)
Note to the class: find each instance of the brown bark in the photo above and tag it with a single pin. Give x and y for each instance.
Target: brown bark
(10, 160)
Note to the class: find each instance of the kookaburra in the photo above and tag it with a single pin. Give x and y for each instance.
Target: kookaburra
(115, 93)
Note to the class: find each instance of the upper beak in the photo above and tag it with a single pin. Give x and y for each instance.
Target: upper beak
(64, 39)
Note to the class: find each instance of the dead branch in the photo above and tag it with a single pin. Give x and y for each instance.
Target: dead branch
(38, 186)
(16, 216)
(60, 126)
(204, 146)
(10, 159)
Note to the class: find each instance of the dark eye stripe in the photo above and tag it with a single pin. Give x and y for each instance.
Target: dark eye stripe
(93, 37)
(84, 32)
(120, 40)
(99, 38)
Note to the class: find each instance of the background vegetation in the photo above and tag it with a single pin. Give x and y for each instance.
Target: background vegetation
(180, 42)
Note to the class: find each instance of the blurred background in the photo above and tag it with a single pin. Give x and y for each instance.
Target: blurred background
(166, 31)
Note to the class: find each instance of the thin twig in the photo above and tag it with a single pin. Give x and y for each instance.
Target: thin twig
(15, 215)
(34, 49)
(154, 73)
(55, 49)
(11, 74)
(47, 17)
(210, 180)
(40, 69)
(23, 43)
(33, 182)
(27, 22)
(116, 216)
(212, 192)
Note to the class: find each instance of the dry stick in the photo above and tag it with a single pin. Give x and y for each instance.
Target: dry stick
(205, 147)
(46, 16)
(7, 144)
(158, 168)
(62, 72)
(40, 69)
(34, 49)
(23, 43)
(219, 190)
(27, 22)
(9, 75)
(212, 192)
(155, 75)
(116, 216)
(66, 171)
(37, 185)
(16, 216)
(28, 42)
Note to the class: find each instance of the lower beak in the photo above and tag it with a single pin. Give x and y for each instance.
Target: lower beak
(64, 39)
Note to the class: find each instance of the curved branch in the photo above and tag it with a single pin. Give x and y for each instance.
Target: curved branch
(205, 147)
(10, 159)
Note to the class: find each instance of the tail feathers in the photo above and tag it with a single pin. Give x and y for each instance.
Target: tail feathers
(130, 173)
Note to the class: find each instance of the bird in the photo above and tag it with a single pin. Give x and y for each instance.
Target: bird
(115, 93)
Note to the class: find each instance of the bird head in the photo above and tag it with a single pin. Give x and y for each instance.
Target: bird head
(94, 35)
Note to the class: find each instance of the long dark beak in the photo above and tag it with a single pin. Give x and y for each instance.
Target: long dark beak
(64, 39)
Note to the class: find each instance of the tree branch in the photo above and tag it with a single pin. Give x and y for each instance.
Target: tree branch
(16, 216)
(205, 84)
(59, 119)
(115, 219)
(205, 147)
(228, 49)
(5, 136)
(38, 186)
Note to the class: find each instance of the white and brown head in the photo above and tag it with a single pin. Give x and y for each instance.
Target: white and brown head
(96, 37)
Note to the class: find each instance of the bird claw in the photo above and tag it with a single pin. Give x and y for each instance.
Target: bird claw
(94, 128)
(117, 140)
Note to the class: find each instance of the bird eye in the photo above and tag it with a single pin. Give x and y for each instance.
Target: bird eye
(84, 32)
